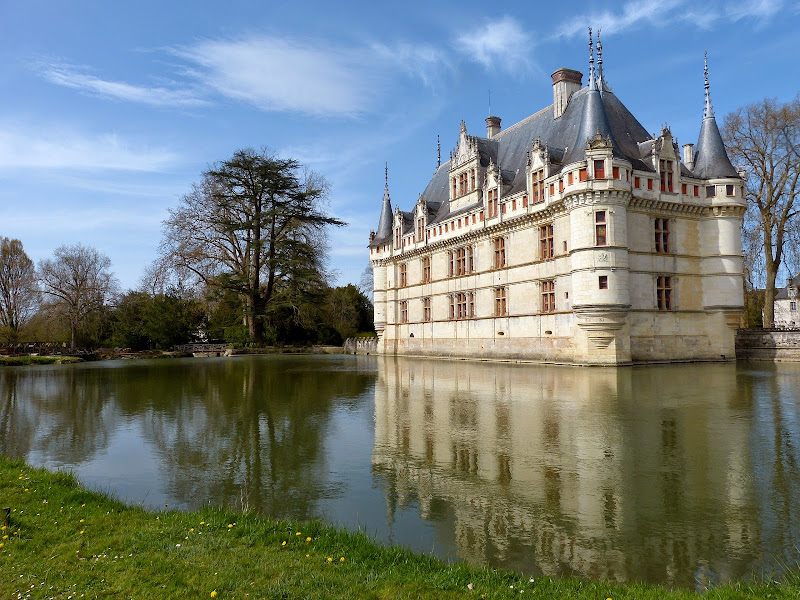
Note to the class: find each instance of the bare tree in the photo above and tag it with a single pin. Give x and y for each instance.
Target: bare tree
(250, 226)
(764, 138)
(79, 281)
(19, 296)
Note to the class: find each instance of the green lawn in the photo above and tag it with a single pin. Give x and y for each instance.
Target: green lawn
(16, 361)
(62, 541)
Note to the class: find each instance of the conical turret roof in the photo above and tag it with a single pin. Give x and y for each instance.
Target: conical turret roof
(385, 222)
(711, 160)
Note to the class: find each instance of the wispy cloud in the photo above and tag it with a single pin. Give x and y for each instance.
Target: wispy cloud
(633, 14)
(760, 9)
(500, 43)
(76, 78)
(74, 150)
(281, 74)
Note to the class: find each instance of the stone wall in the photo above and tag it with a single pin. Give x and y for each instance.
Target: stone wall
(768, 344)
(361, 345)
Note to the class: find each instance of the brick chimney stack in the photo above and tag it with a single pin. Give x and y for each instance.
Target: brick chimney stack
(492, 126)
(565, 83)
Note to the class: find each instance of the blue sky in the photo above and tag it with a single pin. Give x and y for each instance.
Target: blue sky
(110, 110)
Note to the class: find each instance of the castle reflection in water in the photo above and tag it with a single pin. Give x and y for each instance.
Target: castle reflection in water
(603, 473)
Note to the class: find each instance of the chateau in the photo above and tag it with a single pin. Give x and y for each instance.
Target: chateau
(573, 236)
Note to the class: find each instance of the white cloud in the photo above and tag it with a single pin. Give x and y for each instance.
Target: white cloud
(758, 9)
(51, 149)
(501, 43)
(72, 77)
(654, 12)
(280, 74)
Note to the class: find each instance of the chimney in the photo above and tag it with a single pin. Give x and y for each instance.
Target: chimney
(492, 126)
(688, 156)
(565, 83)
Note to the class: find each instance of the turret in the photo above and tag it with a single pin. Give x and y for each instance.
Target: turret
(384, 232)
(711, 160)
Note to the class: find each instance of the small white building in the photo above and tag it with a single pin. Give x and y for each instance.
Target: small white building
(786, 312)
(573, 236)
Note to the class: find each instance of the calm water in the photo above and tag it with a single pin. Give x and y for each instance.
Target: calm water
(685, 475)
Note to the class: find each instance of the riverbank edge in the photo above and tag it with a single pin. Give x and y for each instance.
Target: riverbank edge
(62, 540)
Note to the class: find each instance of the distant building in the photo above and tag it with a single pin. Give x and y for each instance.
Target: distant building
(786, 314)
(573, 236)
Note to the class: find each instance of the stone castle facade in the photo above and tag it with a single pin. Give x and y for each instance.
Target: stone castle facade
(573, 236)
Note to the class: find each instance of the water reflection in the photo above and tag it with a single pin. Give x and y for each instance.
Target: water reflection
(687, 475)
(635, 473)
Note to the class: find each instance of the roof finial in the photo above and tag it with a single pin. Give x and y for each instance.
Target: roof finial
(601, 82)
(708, 111)
(386, 175)
(438, 152)
(592, 81)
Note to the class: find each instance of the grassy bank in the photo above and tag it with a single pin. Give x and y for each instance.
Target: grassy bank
(19, 361)
(62, 541)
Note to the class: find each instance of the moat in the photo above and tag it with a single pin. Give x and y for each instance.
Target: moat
(686, 475)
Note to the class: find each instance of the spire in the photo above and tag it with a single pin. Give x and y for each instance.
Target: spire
(708, 111)
(711, 160)
(592, 80)
(385, 222)
(438, 152)
(601, 82)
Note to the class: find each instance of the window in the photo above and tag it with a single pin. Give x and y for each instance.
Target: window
(637, 183)
(492, 203)
(549, 296)
(420, 229)
(664, 292)
(470, 260)
(560, 185)
(404, 311)
(403, 275)
(665, 169)
(599, 169)
(710, 191)
(792, 305)
(683, 188)
(524, 201)
(472, 179)
(662, 235)
(462, 305)
(569, 178)
(649, 184)
(615, 172)
(552, 189)
(582, 175)
(397, 238)
(461, 261)
(426, 269)
(537, 185)
(452, 299)
(500, 307)
(499, 253)
(426, 309)
(603, 282)
(546, 241)
(696, 191)
(600, 231)
(453, 187)
(729, 191)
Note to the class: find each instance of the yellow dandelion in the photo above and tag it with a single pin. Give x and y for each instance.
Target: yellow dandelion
(5, 537)
(308, 539)
(214, 593)
(341, 559)
(230, 525)
(82, 530)
(307, 555)
(2, 544)
(202, 522)
(81, 521)
(330, 559)
(283, 543)
(3, 528)
(191, 530)
(298, 533)
(26, 489)
(82, 505)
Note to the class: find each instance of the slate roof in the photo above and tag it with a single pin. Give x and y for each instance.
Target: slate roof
(590, 110)
(783, 293)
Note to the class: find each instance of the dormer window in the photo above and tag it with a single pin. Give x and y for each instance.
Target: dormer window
(420, 230)
(493, 203)
(537, 185)
(666, 175)
(599, 169)
(397, 238)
